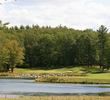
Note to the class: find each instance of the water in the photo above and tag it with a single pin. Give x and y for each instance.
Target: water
(27, 88)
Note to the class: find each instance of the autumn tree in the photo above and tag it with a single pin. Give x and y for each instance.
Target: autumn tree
(16, 55)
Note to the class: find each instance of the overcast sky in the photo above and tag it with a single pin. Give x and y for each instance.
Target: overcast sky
(77, 14)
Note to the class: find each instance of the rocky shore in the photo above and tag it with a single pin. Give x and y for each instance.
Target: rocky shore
(35, 75)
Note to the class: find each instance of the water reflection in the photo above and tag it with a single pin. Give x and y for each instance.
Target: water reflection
(26, 87)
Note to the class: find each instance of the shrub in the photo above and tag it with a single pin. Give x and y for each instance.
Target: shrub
(51, 79)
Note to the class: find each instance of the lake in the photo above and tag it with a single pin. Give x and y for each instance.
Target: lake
(26, 87)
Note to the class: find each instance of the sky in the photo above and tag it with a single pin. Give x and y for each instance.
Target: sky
(76, 14)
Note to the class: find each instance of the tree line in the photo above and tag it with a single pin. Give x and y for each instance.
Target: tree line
(47, 47)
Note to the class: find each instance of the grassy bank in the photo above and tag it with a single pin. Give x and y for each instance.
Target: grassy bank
(60, 98)
(70, 74)
(89, 78)
(81, 75)
(73, 80)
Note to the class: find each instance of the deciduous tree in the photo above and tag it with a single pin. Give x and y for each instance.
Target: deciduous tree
(15, 54)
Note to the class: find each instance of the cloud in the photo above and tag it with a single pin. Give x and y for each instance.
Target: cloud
(77, 14)
(40, 2)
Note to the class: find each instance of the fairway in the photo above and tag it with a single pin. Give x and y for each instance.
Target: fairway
(91, 73)
(60, 70)
(36, 71)
(93, 76)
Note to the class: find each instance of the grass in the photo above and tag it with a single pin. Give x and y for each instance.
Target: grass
(20, 70)
(73, 80)
(59, 98)
(90, 75)
(60, 70)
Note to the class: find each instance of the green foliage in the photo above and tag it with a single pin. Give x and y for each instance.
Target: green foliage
(3, 26)
(15, 53)
(3, 58)
(47, 47)
(3, 52)
(79, 80)
(4, 74)
(51, 79)
(102, 40)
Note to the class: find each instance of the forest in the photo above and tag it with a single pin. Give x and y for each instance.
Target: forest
(47, 47)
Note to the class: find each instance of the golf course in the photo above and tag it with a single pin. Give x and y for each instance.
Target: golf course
(70, 74)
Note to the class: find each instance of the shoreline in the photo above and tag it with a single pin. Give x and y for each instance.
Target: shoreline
(71, 80)
(53, 82)
(17, 78)
(72, 83)
(57, 80)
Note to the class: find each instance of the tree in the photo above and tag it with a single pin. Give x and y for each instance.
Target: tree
(86, 49)
(3, 26)
(3, 52)
(81, 47)
(65, 48)
(22, 27)
(30, 42)
(16, 28)
(3, 58)
(15, 54)
(102, 40)
(46, 50)
(27, 27)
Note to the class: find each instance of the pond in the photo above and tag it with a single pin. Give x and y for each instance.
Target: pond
(27, 87)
